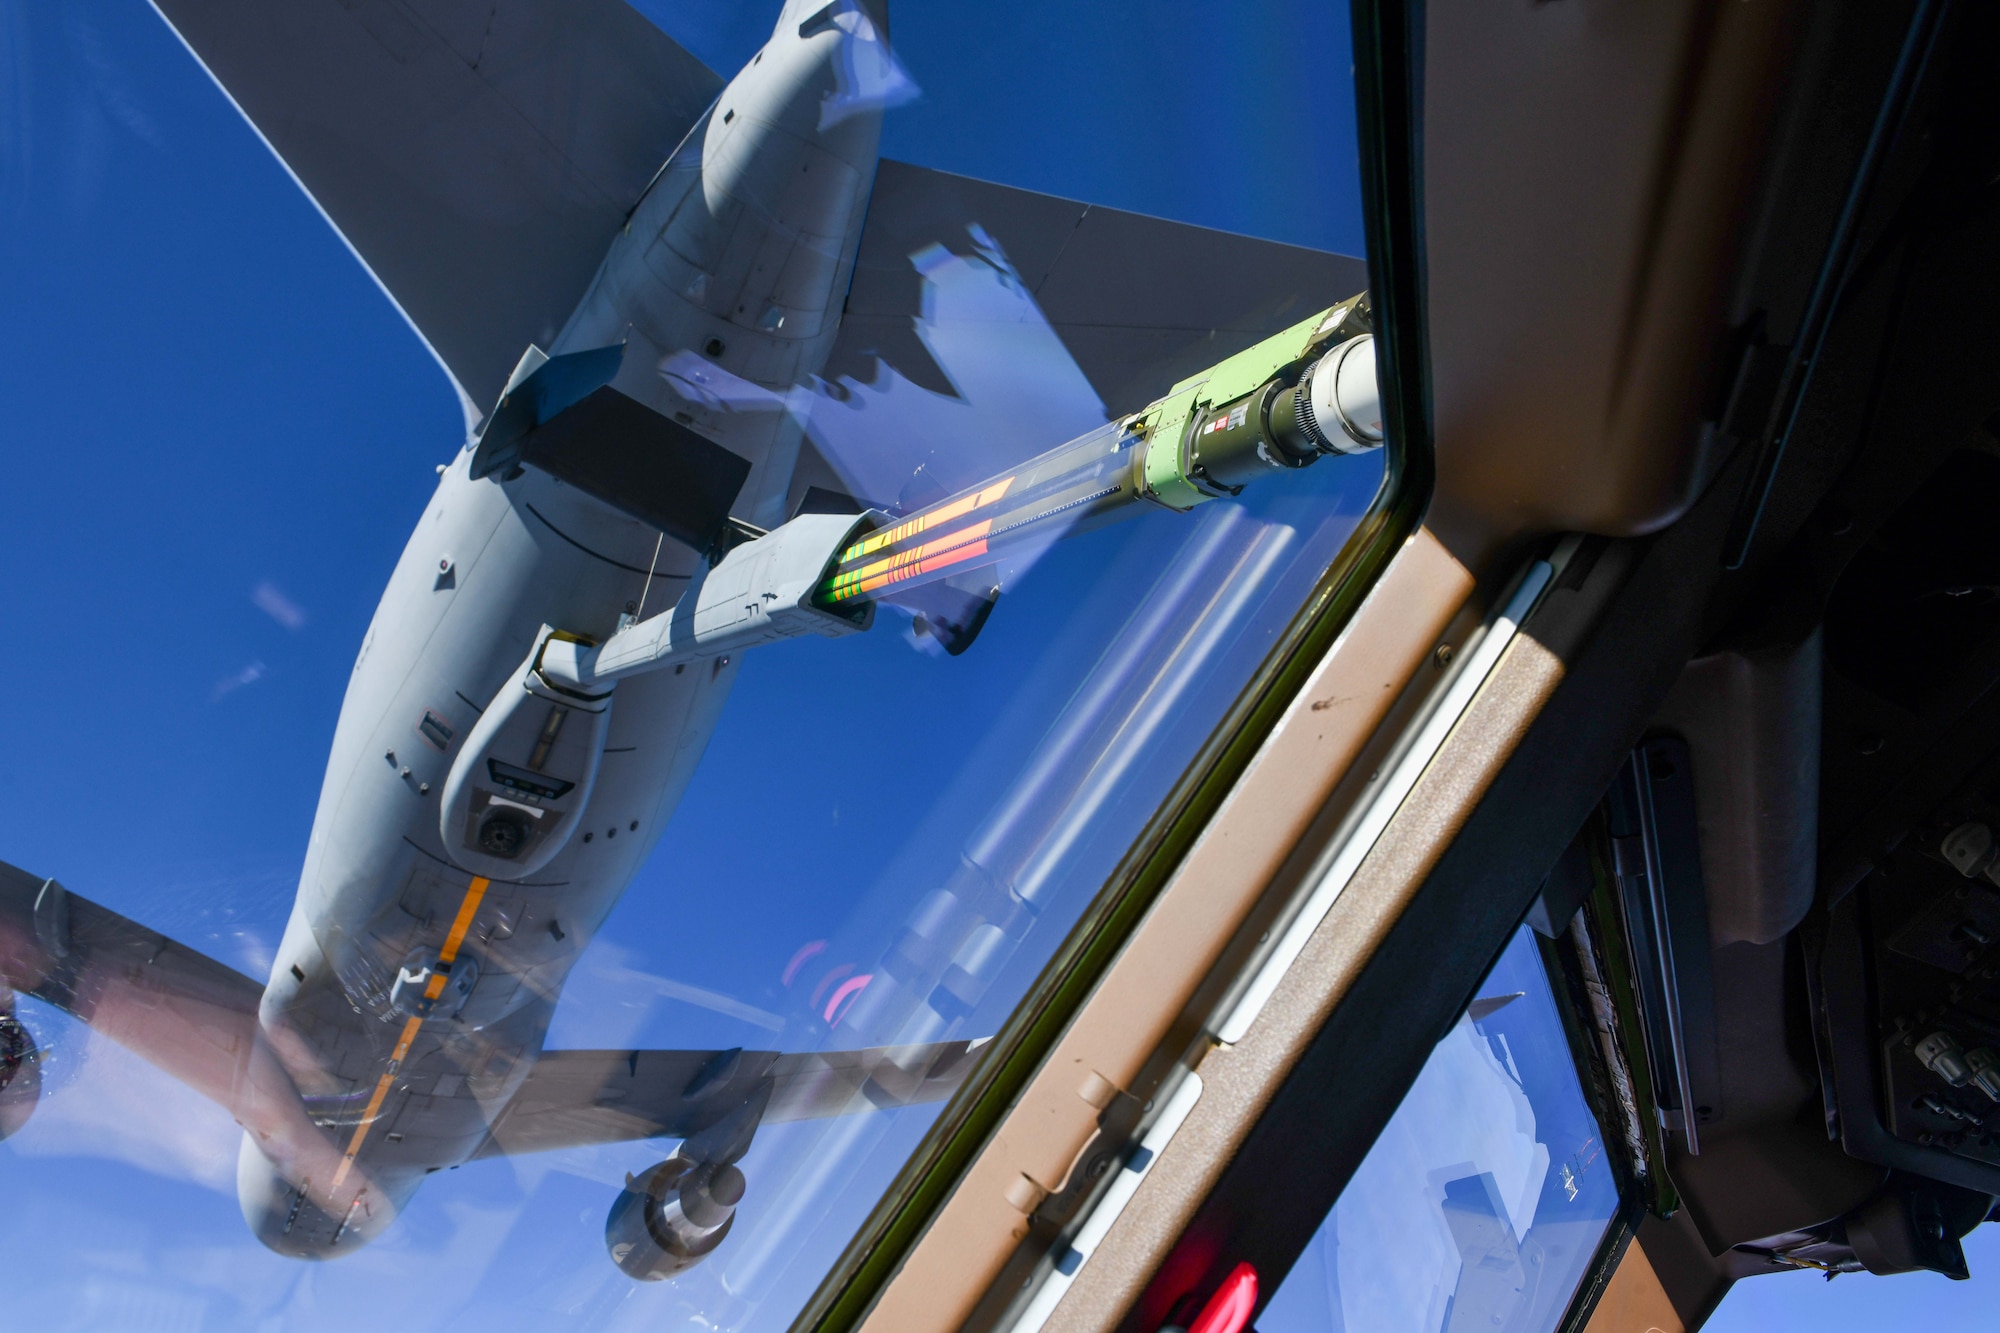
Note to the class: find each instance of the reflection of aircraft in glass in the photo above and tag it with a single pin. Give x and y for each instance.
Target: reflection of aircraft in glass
(822, 416)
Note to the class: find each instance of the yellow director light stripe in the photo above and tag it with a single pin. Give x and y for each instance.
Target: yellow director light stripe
(460, 924)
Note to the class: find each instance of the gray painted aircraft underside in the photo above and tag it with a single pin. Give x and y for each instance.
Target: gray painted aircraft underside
(563, 177)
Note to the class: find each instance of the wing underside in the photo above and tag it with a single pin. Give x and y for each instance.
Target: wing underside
(196, 1019)
(179, 1009)
(478, 155)
(987, 324)
(172, 1006)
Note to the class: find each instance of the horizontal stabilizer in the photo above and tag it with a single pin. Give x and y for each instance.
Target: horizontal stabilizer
(986, 325)
(1138, 302)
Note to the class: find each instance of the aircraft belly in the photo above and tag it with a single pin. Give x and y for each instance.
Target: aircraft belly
(380, 887)
(410, 997)
(484, 571)
(739, 258)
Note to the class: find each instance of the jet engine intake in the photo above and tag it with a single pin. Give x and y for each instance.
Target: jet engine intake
(671, 1217)
(20, 1075)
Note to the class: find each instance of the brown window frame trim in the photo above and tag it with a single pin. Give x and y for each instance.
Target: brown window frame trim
(1388, 94)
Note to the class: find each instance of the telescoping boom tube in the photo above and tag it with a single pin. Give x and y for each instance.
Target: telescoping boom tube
(1280, 405)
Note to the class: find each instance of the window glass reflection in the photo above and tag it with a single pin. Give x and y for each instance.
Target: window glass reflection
(521, 996)
(1482, 1203)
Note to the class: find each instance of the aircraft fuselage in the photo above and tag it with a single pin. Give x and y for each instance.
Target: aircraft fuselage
(740, 254)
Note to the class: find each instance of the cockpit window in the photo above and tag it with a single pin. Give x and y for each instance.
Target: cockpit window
(1484, 1201)
(583, 872)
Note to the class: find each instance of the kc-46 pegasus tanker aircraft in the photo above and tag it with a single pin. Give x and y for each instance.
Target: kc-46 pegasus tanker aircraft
(681, 315)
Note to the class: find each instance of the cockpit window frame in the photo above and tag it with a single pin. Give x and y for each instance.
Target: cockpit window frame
(1388, 94)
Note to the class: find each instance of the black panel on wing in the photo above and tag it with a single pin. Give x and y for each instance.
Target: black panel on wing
(622, 452)
(479, 155)
(1140, 302)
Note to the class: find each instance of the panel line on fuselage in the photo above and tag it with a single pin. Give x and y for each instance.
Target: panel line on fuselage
(452, 940)
(428, 854)
(655, 574)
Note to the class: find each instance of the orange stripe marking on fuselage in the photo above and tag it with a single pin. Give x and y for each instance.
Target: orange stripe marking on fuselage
(473, 893)
(460, 924)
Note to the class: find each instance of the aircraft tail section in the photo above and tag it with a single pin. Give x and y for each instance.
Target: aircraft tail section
(986, 325)
(477, 158)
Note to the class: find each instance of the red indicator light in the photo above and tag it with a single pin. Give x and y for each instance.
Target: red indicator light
(1228, 1311)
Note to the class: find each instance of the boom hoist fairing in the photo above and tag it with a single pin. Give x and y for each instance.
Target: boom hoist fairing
(1281, 405)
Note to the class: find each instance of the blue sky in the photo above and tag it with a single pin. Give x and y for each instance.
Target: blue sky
(220, 436)
(1497, 1112)
(1808, 1303)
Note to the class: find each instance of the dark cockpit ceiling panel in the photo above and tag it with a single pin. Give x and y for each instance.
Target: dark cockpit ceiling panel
(1579, 254)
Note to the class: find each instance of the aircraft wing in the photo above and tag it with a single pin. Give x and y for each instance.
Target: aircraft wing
(180, 1010)
(988, 324)
(478, 155)
(572, 1098)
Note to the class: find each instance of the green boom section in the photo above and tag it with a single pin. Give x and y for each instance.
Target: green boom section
(1145, 459)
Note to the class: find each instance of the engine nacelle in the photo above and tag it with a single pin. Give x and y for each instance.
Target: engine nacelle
(671, 1217)
(20, 1075)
